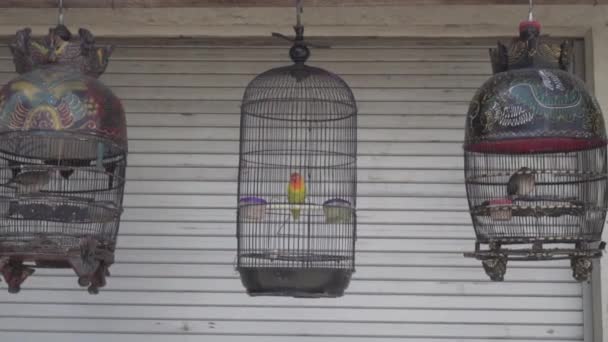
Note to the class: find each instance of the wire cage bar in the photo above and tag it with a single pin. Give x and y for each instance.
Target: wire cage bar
(535, 160)
(297, 182)
(63, 154)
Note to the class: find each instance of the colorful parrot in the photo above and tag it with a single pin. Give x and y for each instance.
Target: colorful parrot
(296, 193)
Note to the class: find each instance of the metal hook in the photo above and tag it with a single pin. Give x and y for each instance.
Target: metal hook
(299, 11)
(60, 19)
(531, 11)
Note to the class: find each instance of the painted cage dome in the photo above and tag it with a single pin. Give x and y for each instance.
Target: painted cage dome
(534, 110)
(58, 91)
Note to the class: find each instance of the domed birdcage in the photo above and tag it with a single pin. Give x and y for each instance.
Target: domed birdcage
(63, 148)
(535, 159)
(297, 181)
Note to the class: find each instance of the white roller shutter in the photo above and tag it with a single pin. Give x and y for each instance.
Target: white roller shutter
(174, 279)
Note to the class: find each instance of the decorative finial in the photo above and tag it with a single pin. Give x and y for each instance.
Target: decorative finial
(530, 27)
(299, 52)
(530, 49)
(62, 48)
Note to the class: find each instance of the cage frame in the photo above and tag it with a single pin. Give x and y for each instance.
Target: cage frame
(297, 275)
(530, 51)
(52, 218)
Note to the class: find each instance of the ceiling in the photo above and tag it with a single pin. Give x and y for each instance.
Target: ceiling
(273, 3)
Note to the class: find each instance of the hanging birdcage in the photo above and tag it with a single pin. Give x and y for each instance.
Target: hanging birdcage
(535, 160)
(63, 148)
(297, 181)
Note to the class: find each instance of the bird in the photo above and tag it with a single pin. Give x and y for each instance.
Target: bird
(67, 166)
(30, 181)
(296, 193)
(521, 183)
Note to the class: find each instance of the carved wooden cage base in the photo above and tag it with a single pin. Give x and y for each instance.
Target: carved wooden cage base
(90, 260)
(494, 259)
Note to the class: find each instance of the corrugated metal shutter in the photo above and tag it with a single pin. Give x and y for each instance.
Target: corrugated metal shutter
(174, 279)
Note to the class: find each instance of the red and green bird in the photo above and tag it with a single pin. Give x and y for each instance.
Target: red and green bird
(296, 193)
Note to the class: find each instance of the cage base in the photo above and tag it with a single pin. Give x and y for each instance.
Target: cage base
(494, 260)
(290, 282)
(90, 264)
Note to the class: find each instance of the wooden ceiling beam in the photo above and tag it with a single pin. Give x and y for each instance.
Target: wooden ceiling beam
(272, 3)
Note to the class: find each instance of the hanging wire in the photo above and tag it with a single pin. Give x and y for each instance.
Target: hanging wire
(299, 11)
(531, 10)
(60, 18)
(299, 29)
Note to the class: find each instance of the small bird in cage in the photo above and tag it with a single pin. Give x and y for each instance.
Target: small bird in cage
(296, 193)
(67, 166)
(521, 183)
(31, 180)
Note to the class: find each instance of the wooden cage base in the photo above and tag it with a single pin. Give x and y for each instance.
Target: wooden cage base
(91, 264)
(494, 259)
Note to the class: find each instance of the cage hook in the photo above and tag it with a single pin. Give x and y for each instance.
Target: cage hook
(299, 30)
(531, 10)
(61, 13)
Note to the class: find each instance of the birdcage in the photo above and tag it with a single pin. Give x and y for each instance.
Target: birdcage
(297, 181)
(535, 160)
(62, 160)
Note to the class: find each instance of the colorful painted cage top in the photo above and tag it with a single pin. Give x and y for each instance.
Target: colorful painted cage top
(58, 89)
(532, 104)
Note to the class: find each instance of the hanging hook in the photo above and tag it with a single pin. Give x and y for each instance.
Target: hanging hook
(60, 18)
(531, 10)
(299, 11)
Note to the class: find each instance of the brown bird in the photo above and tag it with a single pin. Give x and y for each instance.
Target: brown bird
(30, 181)
(521, 183)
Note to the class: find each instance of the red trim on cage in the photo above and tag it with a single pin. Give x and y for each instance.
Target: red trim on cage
(535, 145)
(527, 23)
(500, 202)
